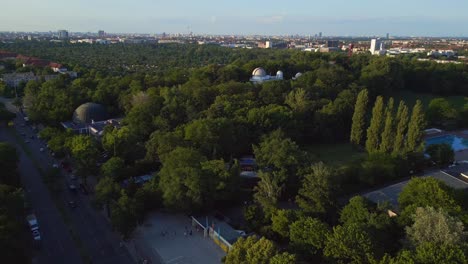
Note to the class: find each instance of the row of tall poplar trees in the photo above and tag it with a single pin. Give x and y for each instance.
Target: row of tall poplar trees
(389, 132)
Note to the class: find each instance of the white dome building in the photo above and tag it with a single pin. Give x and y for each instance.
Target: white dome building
(259, 75)
(279, 75)
(259, 72)
(299, 74)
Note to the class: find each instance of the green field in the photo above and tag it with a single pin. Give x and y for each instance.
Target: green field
(334, 154)
(410, 98)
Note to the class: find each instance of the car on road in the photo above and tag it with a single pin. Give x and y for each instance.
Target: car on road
(27, 141)
(72, 187)
(36, 235)
(72, 204)
(32, 137)
(41, 149)
(83, 189)
(72, 177)
(55, 166)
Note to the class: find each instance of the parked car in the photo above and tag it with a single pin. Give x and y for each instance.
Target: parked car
(72, 204)
(55, 166)
(72, 187)
(41, 149)
(83, 189)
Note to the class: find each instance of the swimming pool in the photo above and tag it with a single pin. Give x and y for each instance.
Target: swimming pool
(457, 143)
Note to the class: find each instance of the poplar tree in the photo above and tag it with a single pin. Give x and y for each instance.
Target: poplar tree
(402, 124)
(359, 117)
(386, 143)
(414, 141)
(376, 124)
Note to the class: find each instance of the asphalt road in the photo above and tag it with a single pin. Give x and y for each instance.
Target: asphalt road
(57, 245)
(99, 243)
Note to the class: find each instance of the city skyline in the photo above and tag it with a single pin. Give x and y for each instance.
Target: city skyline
(344, 18)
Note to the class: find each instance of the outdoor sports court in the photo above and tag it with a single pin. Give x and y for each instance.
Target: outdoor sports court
(166, 235)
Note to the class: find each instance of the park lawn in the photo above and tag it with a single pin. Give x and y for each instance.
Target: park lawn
(335, 153)
(410, 98)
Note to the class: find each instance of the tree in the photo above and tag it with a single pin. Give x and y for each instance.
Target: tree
(375, 127)
(8, 161)
(422, 192)
(124, 215)
(317, 191)
(85, 154)
(5, 115)
(283, 258)
(308, 235)
(402, 124)
(299, 101)
(386, 142)
(221, 181)
(280, 154)
(281, 220)
(251, 250)
(435, 226)
(359, 118)
(162, 143)
(267, 192)
(182, 180)
(441, 154)
(441, 113)
(356, 211)
(416, 125)
(117, 140)
(349, 244)
(106, 190)
(113, 168)
(433, 253)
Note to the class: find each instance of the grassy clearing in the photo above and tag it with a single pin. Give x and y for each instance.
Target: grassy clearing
(334, 154)
(410, 98)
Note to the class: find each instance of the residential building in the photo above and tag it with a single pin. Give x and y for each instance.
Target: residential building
(15, 79)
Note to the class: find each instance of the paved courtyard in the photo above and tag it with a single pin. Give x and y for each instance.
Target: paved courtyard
(164, 235)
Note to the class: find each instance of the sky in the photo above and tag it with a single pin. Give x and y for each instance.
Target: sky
(273, 17)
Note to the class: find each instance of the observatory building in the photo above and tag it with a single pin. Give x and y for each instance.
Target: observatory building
(90, 118)
(259, 75)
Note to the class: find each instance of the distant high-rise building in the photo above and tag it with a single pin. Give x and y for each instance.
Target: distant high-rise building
(332, 43)
(376, 46)
(268, 45)
(101, 33)
(388, 36)
(320, 34)
(63, 34)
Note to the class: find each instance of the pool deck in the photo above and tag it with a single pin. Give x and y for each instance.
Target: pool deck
(460, 154)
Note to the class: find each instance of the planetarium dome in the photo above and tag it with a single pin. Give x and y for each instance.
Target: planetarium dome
(89, 112)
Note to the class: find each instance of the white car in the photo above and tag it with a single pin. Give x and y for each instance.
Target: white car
(41, 149)
(55, 166)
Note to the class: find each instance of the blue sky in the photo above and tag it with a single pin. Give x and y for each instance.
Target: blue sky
(332, 17)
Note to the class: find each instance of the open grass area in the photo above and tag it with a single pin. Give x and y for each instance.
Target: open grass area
(410, 98)
(334, 154)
